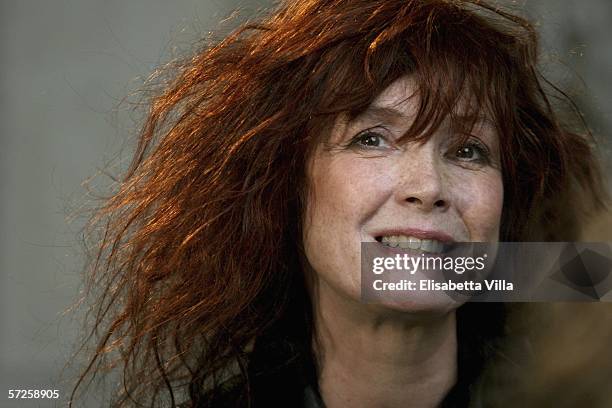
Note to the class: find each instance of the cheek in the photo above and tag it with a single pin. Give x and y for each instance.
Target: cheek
(343, 194)
(479, 200)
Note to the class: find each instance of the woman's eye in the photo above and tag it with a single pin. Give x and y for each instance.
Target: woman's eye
(472, 152)
(369, 139)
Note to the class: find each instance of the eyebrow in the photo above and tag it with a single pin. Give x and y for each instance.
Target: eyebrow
(480, 120)
(394, 115)
(383, 113)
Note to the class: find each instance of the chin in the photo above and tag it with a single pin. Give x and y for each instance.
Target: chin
(417, 302)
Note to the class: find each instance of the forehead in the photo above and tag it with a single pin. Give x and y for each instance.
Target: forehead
(401, 95)
(400, 103)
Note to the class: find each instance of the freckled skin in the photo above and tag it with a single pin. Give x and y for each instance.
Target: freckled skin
(357, 190)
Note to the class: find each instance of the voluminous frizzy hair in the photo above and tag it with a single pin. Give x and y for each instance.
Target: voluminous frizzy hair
(200, 244)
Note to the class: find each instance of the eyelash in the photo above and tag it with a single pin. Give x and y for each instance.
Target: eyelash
(354, 142)
(481, 150)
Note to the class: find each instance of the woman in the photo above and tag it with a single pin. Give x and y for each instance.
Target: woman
(229, 260)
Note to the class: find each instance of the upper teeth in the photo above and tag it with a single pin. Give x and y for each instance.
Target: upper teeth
(405, 242)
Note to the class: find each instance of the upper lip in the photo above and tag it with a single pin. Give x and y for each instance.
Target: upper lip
(417, 233)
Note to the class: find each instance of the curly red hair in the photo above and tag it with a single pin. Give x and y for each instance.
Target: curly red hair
(201, 242)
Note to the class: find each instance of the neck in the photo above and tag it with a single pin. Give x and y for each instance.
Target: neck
(373, 357)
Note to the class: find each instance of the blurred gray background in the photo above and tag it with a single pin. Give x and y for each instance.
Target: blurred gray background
(66, 66)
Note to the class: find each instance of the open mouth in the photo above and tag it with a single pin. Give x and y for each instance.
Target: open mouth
(409, 242)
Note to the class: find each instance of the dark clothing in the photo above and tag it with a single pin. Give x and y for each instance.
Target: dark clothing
(281, 370)
(281, 375)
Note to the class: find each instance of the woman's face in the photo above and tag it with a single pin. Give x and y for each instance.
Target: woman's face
(366, 187)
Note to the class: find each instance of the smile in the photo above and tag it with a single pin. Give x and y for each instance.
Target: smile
(410, 242)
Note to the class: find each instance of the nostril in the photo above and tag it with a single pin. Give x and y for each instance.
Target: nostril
(436, 204)
(440, 203)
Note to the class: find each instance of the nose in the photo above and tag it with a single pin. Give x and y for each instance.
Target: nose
(422, 183)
